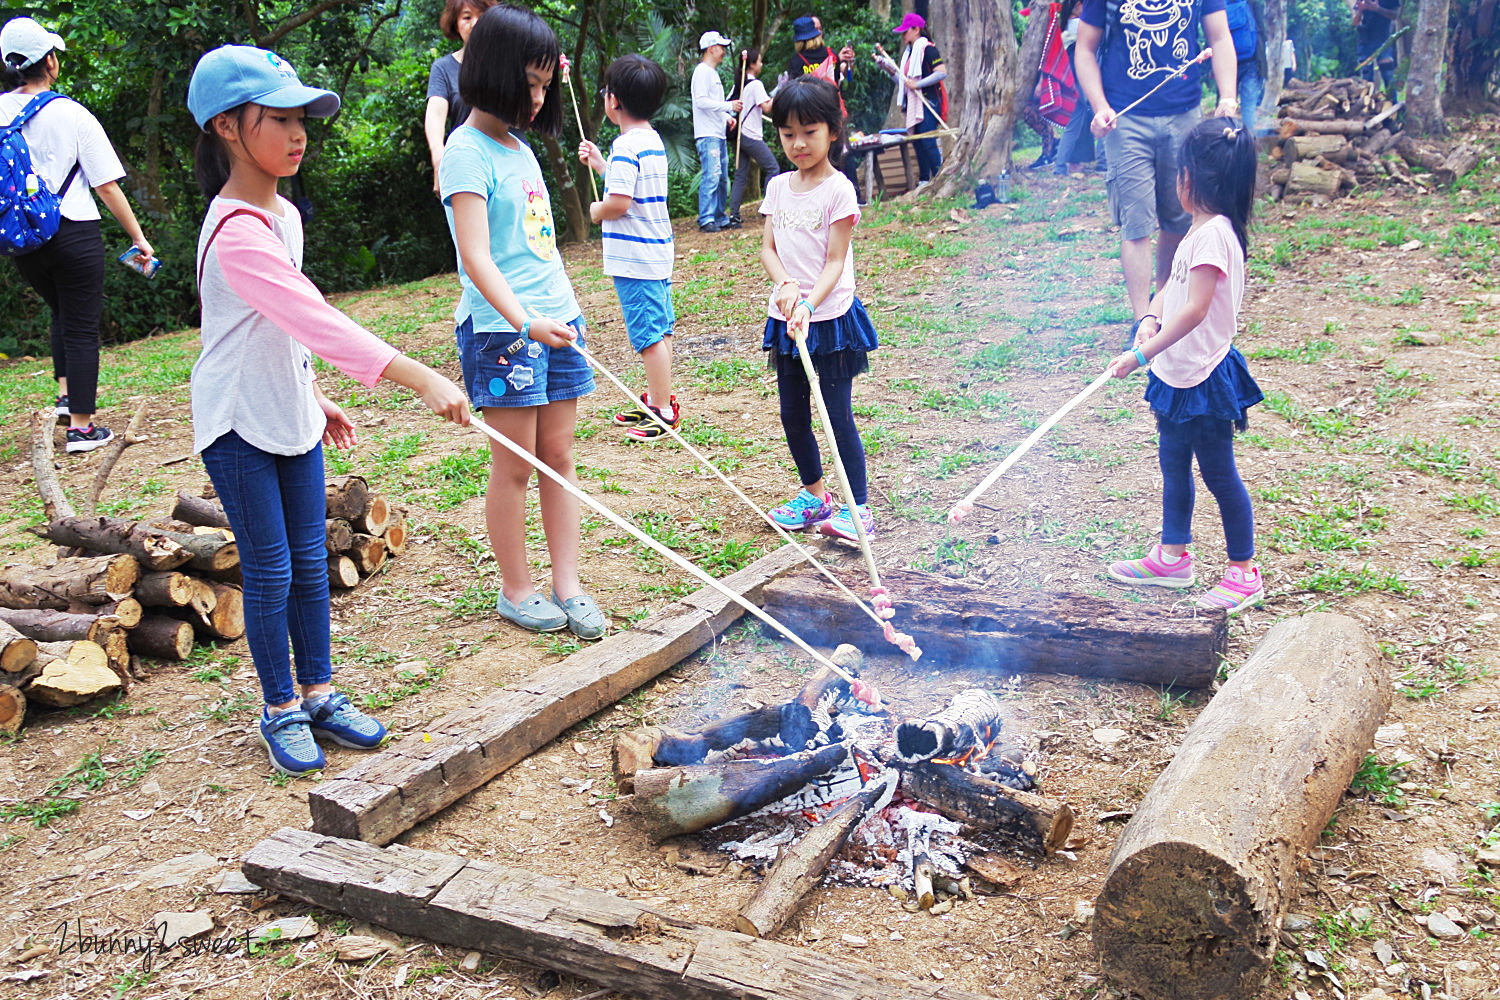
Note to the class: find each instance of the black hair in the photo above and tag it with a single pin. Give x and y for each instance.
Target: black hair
(211, 159)
(638, 84)
(810, 100)
(17, 77)
(751, 55)
(1218, 160)
(505, 41)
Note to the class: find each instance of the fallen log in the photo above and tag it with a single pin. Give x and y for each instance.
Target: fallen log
(969, 723)
(202, 511)
(340, 536)
(1036, 822)
(693, 797)
(347, 497)
(395, 535)
(62, 626)
(800, 867)
(1334, 147)
(342, 573)
(1309, 179)
(375, 518)
(72, 673)
(226, 619)
(12, 708)
(55, 502)
(1203, 873)
(1291, 127)
(1458, 162)
(959, 623)
(85, 580)
(368, 553)
(516, 914)
(388, 792)
(172, 589)
(17, 651)
(672, 747)
(162, 638)
(154, 549)
(214, 553)
(808, 717)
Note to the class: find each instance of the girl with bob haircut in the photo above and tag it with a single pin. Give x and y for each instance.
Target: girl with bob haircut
(517, 319)
(807, 250)
(259, 418)
(1199, 386)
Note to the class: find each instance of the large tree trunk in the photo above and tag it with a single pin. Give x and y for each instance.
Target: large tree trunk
(1424, 81)
(1476, 49)
(567, 191)
(986, 75)
(1273, 33)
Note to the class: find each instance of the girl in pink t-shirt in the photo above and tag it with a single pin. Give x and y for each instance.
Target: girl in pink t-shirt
(807, 251)
(1199, 386)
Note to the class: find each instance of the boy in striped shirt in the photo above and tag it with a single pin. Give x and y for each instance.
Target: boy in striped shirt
(638, 250)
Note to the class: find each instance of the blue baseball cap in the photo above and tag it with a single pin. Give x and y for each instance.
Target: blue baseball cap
(232, 75)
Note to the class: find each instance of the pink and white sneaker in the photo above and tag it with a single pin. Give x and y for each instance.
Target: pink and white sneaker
(1240, 589)
(1156, 570)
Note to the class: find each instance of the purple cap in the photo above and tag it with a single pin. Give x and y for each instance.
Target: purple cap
(912, 20)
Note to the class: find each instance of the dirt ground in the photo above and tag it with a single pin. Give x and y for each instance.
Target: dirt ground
(1372, 323)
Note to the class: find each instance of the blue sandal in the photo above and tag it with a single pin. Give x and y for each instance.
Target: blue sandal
(584, 616)
(535, 613)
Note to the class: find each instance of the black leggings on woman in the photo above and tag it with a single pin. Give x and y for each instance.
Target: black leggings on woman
(797, 422)
(68, 273)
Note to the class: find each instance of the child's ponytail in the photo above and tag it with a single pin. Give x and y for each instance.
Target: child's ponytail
(211, 160)
(1218, 160)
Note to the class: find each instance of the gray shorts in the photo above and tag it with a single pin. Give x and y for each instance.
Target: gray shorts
(1142, 155)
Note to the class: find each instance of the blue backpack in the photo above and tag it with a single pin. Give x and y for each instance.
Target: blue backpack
(29, 212)
(1242, 27)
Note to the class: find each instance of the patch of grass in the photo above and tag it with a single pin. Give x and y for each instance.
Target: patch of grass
(1483, 504)
(1452, 673)
(1378, 782)
(955, 462)
(1331, 527)
(1313, 350)
(455, 479)
(1436, 458)
(229, 706)
(1341, 580)
(724, 374)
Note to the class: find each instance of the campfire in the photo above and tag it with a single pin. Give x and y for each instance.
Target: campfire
(904, 804)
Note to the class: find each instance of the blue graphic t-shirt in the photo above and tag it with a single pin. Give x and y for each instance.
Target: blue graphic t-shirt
(1153, 38)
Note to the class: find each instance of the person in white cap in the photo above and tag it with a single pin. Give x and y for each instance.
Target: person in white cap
(71, 153)
(712, 116)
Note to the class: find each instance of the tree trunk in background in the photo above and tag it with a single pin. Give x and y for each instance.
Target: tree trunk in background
(562, 169)
(1424, 81)
(881, 9)
(1475, 52)
(1273, 32)
(986, 80)
(758, 11)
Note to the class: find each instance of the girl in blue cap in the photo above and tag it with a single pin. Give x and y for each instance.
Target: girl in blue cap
(259, 418)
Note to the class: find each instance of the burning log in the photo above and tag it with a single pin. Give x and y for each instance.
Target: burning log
(1204, 872)
(970, 723)
(17, 651)
(960, 623)
(61, 626)
(348, 497)
(672, 748)
(800, 867)
(809, 715)
(203, 511)
(95, 580)
(921, 877)
(163, 638)
(12, 708)
(677, 800)
(72, 673)
(1036, 822)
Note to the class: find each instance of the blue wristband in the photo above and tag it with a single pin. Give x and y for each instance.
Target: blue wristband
(526, 327)
(809, 305)
(1140, 356)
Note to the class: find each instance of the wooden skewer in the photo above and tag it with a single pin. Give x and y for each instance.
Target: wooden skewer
(1200, 57)
(578, 117)
(855, 684)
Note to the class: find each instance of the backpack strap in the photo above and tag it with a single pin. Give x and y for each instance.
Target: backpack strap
(203, 260)
(30, 111)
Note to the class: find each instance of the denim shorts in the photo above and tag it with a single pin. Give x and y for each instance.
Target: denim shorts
(1142, 155)
(507, 369)
(647, 305)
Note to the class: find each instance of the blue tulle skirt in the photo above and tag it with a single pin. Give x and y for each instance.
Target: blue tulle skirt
(839, 347)
(1227, 393)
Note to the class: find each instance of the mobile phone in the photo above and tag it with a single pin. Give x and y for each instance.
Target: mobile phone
(132, 259)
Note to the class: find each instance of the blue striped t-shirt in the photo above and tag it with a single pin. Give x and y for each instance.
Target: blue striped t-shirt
(638, 244)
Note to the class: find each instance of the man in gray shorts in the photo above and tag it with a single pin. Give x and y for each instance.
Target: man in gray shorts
(1138, 43)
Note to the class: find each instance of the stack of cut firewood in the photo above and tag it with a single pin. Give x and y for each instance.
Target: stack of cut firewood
(150, 588)
(1334, 137)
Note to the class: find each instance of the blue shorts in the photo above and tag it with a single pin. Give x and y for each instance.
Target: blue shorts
(507, 369)
(647, 305)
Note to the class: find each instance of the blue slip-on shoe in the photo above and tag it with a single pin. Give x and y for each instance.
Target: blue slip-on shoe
(337, 719)
(289, 741)
(535, 613)
(584, 616)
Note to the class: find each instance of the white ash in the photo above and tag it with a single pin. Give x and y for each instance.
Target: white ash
(762, 846)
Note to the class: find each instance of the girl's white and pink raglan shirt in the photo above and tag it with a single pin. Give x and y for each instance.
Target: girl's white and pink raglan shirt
(263, 320)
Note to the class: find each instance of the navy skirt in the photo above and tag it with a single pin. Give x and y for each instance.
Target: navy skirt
(1227, 393)
(839, 347)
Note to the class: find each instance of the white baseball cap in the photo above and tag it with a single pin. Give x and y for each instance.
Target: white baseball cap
(24, 43)
(712, 38)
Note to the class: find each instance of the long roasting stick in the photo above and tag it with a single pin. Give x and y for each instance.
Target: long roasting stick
(963, 508)
(567, 70)
(860, 689)
(739, 124)
(1200, 57)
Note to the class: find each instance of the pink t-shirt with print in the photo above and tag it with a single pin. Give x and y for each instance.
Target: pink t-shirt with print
(802, 221)
(1193, 358)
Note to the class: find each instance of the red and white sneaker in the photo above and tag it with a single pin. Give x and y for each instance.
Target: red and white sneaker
(1240, 589)
(1157, 569)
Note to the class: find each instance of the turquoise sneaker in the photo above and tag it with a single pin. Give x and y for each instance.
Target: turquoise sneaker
(803, 512)
(841, 525)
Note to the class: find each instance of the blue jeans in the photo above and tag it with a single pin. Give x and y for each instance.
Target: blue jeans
(713, 183)
(1212, 441)
(278, 510)
(929, 157)
(1252, 88)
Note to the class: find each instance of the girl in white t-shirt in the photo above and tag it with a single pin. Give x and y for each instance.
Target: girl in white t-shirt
(1199, 386)
(752, 150)
(806, 249)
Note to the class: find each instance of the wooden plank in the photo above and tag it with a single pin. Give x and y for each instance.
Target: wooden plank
(554, 924)
(388, 793)
(958, 623)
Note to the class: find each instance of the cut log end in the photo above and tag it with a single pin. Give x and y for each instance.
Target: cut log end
(342, 573)
(162, 638)
(12, 708)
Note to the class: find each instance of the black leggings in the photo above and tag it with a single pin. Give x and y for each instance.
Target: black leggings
(68, 273)
(797, 422)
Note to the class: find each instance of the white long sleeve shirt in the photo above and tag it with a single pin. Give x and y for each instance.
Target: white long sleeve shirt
(710, 111)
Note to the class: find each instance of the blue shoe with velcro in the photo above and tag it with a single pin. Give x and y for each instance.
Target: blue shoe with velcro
(336, 718)
(288, 739)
